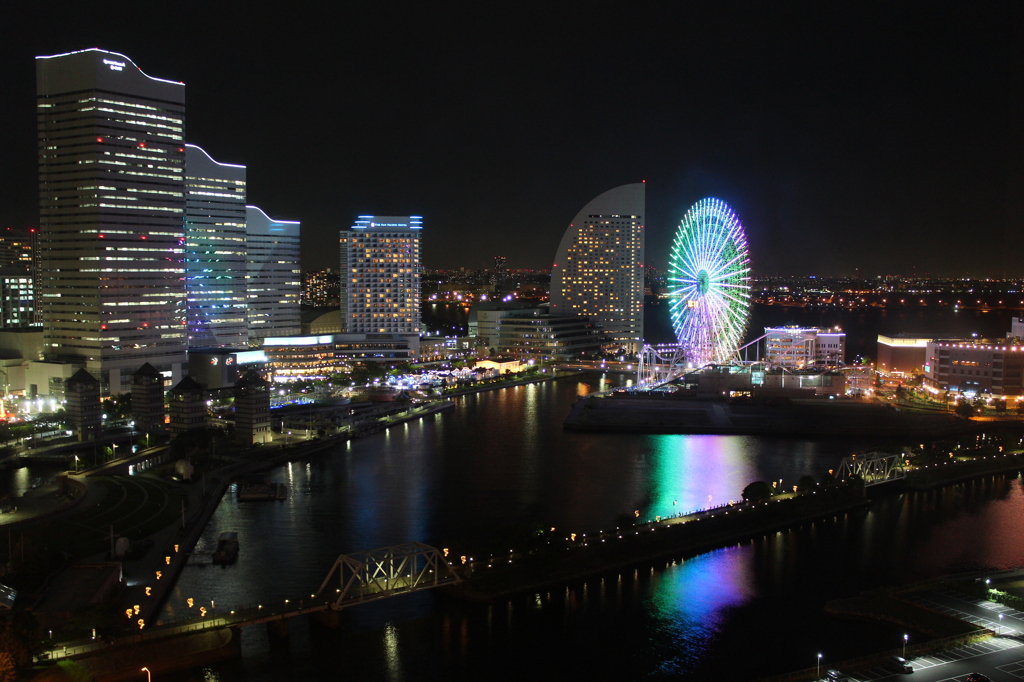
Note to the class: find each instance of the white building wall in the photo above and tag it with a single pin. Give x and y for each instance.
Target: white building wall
(273, 278)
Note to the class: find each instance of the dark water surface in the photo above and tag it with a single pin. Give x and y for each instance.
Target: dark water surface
(501, 458)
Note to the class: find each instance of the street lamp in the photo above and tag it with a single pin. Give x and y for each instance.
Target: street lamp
(905, 638)
(1000, 623)
(817, 668)
(149, 676)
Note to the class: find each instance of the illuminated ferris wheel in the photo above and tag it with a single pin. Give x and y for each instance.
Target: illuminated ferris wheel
(709, 283)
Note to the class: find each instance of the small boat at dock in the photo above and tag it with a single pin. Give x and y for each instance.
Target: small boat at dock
(259, 488)
(227, 548)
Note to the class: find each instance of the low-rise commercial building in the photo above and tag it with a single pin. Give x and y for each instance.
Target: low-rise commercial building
(317, 357)
(797, 347)
(994, 367)
(901, 354)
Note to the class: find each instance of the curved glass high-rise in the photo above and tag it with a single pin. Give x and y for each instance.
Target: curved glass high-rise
(598, 269)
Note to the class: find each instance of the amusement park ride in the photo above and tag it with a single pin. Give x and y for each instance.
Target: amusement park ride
(709, 298)
(709, 289)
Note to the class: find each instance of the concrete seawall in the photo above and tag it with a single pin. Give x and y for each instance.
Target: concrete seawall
(799, 418)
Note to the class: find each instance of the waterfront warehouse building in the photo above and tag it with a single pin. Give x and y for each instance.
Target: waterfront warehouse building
(598, 268)
(273, 278)
(797, 347)
(215, 251)
(380, 270)
(975, 367)
(111, 209)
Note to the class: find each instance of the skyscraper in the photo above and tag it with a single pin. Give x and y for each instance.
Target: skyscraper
(111, 208)
(19, 274)
(215, 251)
(598, 269)
(380, 275)
(273, 278)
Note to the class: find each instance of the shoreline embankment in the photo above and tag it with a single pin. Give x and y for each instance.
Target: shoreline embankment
(565, 560)
(804, 418)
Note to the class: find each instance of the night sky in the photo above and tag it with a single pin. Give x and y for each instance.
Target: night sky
(885, 137)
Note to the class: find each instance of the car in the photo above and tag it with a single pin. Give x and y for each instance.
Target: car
(900, 664)
(836, 676)
(978, 677)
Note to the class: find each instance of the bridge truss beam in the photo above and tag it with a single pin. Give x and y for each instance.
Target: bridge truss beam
(874, 468)
(385, 572)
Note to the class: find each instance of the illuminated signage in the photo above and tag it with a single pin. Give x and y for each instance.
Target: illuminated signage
(114, 66)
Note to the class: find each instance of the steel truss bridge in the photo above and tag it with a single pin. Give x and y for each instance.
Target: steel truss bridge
(386, 572)
(873, 468)
(364, 576)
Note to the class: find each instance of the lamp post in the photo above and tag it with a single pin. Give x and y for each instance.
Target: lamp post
(1000, 623)
(149, 676)
(817, 668)
(905, 638)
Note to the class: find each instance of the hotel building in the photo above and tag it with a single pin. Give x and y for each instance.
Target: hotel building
(111, 208)
(215, 251)
(380, 276)
(273, 278)
(598, 269)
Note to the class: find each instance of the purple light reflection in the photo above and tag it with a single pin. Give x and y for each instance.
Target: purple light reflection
(690, 602)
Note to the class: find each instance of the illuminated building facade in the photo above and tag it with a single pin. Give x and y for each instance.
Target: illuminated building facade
(320, 288)
(19, 249)
(797, 347)
(111, 208)
(972, 367)
(215, 251)
(534, 334)
(380, 275)
(19, 273)
(17, 299)
(598, 269)
(901, 354)
(273, 278)
(318, 357)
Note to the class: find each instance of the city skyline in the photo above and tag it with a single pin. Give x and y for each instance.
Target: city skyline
(883, 136)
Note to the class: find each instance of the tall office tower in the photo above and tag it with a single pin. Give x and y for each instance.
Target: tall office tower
(598, 271)
(111, 203)
(380, 275)
(17, 299)
(320, 288)
(273, 281)
(19, 273)
(215, 256)
(19, 248)
(499, 273)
